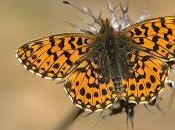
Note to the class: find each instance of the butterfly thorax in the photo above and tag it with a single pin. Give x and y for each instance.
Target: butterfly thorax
(113, 48)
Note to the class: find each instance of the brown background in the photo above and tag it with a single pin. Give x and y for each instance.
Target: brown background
(28, 102)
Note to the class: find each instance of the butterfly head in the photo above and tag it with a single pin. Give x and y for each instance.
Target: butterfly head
(105, 26)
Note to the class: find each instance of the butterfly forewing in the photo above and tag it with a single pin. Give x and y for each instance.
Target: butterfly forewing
(55, 56)
(156, 36)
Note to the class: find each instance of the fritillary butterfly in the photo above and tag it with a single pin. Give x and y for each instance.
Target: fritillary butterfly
(100, 68)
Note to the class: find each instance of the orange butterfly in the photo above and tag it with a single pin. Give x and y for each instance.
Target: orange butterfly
(100, 68)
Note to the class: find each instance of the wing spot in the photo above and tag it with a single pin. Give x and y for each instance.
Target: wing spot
(142, 95)
(56, 66)
(148, 85)
(67, 54)
(52, 41)
(163, 51)
(61, 44)
(34, 57)
(97, 102)
(68, 62)
(155, 69)
(156, 47)
(72, 39)
(38, 61)
(141, 40)
(79, 42)
(155, 39)
(137, 31)
(141, 87)
(95, 94)
(132, 87)
(77, 83)
(125, 86)
(88, 95)
(48, 62)
(156, 29)
(82, 92)
(44, 74)
(104, 92)
(152, 78)
(168, 46)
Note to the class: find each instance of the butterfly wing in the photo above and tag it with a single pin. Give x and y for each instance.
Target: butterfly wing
(146, 78)
(155, 40)
(156, 36)
(54, 57)
(86, 89)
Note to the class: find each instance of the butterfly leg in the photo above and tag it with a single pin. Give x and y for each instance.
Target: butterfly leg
(123, 105)
(117, 108)
(129, 109)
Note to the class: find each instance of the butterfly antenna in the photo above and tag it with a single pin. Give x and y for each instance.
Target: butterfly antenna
(129, 109)
(85, 11)
(131, 120)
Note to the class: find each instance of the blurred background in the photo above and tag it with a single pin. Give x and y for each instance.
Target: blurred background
(28, 102)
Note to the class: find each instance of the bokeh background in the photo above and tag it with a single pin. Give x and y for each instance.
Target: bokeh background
(28, 102)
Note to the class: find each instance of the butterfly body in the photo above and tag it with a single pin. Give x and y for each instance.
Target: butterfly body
(113, 48)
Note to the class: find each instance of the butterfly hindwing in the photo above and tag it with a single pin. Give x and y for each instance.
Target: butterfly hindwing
(146, 78)
(54, 56)
(86, 88)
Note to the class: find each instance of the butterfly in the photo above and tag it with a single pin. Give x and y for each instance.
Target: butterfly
(102, 68)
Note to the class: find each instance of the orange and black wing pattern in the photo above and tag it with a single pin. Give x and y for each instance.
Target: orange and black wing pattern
(155, 43)
(86, 88)
(56, 56)
(156, 36)
(146, 78)
(65, 55)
